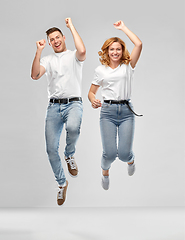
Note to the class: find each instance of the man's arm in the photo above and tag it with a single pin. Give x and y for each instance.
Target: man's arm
(80, 47)
(37, 70)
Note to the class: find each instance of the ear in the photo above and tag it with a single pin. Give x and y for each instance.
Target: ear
(64, 37)
(48, 41)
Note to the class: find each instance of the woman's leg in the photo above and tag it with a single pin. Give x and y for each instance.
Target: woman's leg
(126, 136)
(108, 130)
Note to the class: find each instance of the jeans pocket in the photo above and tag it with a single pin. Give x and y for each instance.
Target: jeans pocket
(49, 105)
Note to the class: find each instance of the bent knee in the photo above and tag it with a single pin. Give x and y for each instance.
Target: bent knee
(110, 156)
(126, 156)
(72, 130)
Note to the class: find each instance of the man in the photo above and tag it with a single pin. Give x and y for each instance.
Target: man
(63, 70)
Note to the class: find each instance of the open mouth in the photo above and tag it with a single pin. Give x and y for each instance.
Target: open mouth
(115, 56)
(58, 45)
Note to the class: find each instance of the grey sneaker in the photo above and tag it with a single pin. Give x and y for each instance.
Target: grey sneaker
(61, 196)
(105, 182)
(131, 169)
(72, 167)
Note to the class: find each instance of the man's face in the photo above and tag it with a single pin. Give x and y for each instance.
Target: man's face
(57, 41)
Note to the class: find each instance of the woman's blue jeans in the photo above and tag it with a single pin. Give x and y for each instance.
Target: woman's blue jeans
(117, 125)
(57, 115)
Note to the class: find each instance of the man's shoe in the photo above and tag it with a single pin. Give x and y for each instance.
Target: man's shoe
(131, 169)
(61, 196)
(105, 182)
(72, 167)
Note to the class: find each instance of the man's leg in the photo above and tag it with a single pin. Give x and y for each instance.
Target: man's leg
(73, 124)
(53, 129)
(73, 121)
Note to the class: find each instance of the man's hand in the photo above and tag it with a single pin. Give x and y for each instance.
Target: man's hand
(41, 44)
(68, 22)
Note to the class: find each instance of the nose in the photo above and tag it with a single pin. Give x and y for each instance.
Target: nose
(55, 40)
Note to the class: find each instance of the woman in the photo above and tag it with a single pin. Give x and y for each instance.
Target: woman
(115, 76)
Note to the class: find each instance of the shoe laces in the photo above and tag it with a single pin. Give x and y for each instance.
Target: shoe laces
(60, 193)
(71, 163)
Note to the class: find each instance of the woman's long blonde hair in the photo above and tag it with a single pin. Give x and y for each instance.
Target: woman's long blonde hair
(104, 57)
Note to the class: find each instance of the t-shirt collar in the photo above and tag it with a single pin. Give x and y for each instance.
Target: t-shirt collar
(61, 53)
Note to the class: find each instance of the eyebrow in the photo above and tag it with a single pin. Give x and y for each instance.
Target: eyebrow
(54, 37)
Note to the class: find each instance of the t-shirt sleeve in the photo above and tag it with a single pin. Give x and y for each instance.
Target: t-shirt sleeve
(131, 71)
(44, 62)
(97, 78)
(77, 60)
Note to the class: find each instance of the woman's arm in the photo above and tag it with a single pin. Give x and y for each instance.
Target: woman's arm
(136, 41)
(96, 103)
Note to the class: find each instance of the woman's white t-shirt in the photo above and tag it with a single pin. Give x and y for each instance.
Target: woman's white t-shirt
(116, 83)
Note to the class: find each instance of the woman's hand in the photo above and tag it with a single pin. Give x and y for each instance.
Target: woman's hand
(119, 25)
(96, 103)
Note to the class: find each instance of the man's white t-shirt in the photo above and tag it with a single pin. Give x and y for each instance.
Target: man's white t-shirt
(116, 83)
(64, 74)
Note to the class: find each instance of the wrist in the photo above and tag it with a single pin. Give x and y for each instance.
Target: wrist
(71, 27)
(124, 28)
(39, 51)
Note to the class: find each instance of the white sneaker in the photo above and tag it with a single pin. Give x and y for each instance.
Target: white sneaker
(105, 182)
(131, 169)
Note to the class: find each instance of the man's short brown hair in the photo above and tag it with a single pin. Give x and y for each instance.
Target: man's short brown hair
(53, 29)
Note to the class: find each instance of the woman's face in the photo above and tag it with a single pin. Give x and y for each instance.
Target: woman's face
(115, 52)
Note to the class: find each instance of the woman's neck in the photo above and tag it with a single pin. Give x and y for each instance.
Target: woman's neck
(114, 65)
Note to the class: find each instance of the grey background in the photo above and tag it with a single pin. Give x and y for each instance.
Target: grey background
(26, 179)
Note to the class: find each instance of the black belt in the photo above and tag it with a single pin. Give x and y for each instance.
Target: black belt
(65, 100)
(122, 102)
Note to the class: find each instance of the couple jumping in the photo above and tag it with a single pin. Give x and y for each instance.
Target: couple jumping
(63, 70)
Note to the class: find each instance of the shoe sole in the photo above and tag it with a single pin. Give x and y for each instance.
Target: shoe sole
(73, 176)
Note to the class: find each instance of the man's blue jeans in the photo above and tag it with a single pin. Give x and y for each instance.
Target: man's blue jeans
(116, 120)
(57, 115)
